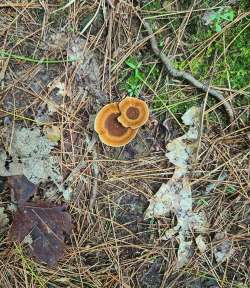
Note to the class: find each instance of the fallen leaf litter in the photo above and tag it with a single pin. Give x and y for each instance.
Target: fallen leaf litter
(176, 195)
(41, 223)
(26, 160)
(27, 163)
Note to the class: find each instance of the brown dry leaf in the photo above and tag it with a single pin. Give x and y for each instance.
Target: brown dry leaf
(22, 188)
(47, 225)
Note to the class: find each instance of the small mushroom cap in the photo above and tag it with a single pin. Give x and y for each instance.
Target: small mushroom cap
(110, 131)
(134, 112)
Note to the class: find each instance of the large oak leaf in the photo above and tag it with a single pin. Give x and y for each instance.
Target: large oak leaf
(47, 225)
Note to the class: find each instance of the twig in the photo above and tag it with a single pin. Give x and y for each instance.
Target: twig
(91, 148)
(95, 180)
(187, 76)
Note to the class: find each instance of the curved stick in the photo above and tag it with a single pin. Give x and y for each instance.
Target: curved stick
(185, 75)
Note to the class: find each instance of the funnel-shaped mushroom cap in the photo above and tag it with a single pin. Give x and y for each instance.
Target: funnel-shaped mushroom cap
(134, 112)
(110, 131)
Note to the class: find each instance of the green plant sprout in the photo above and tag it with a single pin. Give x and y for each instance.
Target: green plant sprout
(136, 78)
(219, 17)
(139, 76)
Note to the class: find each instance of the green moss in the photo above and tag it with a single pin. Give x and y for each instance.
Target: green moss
(177, 105)
(230, 56)
(179, 108)
(232, 65)
(236, 62)
(244, 5)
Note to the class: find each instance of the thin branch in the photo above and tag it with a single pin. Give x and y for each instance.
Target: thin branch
(187, 76)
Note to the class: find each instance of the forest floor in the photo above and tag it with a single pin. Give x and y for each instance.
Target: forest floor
(60, 62)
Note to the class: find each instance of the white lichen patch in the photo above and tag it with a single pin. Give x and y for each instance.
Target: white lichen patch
(29, 154)
(176, 195)
(67, 194)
